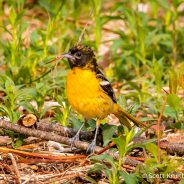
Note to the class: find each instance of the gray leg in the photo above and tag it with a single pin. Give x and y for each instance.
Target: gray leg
(92, 146)
(76, 137)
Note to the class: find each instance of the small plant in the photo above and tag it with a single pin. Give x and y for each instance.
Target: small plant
(13, 97)
(109, 166)
(152, 171)
(114, 172)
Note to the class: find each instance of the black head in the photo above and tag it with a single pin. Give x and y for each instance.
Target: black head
(80, 56)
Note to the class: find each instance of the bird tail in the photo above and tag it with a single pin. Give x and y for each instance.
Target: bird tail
(124, 116)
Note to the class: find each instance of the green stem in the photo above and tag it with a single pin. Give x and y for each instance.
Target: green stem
(174, 38)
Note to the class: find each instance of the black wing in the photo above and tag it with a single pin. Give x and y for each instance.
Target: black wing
(105, 84)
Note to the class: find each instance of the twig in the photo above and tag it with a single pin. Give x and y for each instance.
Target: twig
(158, 128)
(106, 148)
(85, 26)
(48, 71)
(3, 177)
(36, 160)
(15, 167)
(11, 171)
(28, 179)
(41, 155)
(131, 162)
(129, 167)
(66, 178)
(66, 175)
(82, 33)
(136, 158)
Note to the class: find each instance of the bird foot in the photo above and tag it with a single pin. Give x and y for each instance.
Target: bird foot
(73, 140)
(91, 147)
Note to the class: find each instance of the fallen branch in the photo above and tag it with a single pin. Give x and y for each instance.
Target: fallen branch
(175, 148)
(44, 135)
(44, 125)
(170, 147)
(57, 128)
(15, 168)
(54, 137)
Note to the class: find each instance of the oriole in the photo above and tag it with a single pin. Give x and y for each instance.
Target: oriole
(89, 92)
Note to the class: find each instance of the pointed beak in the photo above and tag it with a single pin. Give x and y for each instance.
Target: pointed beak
(68, 56)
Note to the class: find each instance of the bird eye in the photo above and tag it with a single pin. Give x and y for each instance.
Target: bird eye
(78, 54)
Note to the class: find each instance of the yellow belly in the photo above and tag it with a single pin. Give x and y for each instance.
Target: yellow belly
(86, 96)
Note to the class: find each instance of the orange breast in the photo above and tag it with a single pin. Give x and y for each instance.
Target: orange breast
(86, 95)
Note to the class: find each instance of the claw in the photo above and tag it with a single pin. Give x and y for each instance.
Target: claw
(91, 147)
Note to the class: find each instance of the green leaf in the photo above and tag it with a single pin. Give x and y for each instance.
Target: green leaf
(97, 31)
(170, 112)
(179, 125)
(100, 167)
(152, 148)
(134, 146)
(18, 142)
(45, 4)
(129, 136)
(7, 112)
(97, 6)
(121, 144)
(34, 37)
(28, 107)
(9, 86)
(163, 3)
(108, 132)
(91, 180)
(173, 82)
(134, 85)
(174, 101)
(105, 157)
(147, 119)
(12, 16)
(129, 178)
